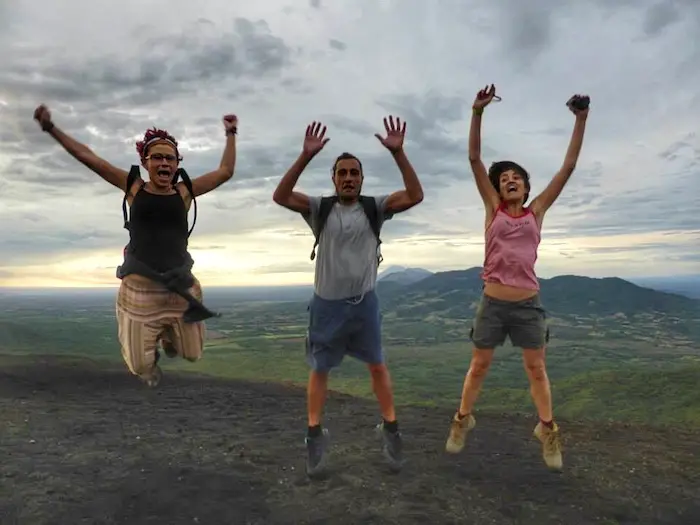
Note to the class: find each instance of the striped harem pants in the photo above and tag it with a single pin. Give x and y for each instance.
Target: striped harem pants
(148, 314)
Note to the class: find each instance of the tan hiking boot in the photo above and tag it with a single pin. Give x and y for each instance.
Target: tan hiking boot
(459, 428)
(551, 445)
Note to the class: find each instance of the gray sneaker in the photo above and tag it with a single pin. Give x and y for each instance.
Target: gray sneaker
(316, 453)
(392, 447)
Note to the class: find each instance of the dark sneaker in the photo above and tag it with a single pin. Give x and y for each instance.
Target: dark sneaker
(392, 447)
(316, 453)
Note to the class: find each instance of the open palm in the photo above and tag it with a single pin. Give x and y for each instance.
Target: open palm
(314, 140)
(395, 133)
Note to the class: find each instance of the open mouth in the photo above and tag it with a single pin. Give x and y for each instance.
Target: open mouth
(164, 175)
(511, 188)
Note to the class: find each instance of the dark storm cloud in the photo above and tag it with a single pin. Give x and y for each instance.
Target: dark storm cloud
(102, 93)
(184, 81)
(166, 66)
(359, 127)
(436, 155)
(426, 116)
(526, 30)
(337, 44)
(56, 167)
(660, 16)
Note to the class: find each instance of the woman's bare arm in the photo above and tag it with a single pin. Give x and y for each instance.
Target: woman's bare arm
(212, 180)
(488, 193)
(115, 176)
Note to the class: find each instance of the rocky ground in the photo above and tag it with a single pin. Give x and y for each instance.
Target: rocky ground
(83, 443)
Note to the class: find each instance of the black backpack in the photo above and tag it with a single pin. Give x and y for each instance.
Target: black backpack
(369, 205)
(134, 174)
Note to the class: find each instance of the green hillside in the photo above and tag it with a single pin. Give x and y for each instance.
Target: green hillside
(578, 307)
(617, 350)
(565, 294)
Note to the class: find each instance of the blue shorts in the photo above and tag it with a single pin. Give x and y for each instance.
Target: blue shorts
(351, 326)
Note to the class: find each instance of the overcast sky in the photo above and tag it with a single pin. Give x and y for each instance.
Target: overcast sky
(109, 70)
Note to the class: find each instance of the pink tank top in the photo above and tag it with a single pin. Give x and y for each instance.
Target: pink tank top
(511, 250)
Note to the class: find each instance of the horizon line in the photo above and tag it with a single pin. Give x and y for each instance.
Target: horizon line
(116, 285)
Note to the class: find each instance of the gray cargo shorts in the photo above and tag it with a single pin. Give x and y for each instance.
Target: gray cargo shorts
(525, 322)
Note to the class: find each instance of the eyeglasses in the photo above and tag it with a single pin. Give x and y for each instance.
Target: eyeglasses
(159, 157)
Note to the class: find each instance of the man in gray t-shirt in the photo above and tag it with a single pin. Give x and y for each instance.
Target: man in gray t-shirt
(346, 259)
(344, 315)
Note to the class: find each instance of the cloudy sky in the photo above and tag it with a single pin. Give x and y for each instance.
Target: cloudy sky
(109, 70)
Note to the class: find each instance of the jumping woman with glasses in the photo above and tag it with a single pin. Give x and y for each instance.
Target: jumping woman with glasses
(159, 300)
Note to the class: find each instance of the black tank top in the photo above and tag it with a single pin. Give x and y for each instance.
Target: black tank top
(158, 230)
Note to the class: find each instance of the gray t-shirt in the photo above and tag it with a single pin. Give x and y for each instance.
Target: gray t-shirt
(346, 256)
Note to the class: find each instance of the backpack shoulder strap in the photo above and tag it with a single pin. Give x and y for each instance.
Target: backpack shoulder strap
(369, 205)
(181, 173)
(134, 173)
(324, 210)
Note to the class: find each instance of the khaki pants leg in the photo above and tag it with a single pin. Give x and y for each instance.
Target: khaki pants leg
(186, 338)
(139, 342)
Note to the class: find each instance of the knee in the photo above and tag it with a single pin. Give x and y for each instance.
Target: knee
(378, 371)
(535, 367)
(479, 365)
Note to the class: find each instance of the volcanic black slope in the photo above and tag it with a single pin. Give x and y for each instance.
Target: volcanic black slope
(83, 443)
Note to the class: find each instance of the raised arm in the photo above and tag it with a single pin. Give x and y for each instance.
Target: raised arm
(412, 193)
(115, 176)
(224, 172)
(488, 193)
(284, 194)
(579, 106)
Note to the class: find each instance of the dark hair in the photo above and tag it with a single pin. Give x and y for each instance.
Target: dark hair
(497, 168)
(153, 135)
(344, 156)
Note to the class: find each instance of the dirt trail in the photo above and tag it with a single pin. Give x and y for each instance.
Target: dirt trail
(83, 444)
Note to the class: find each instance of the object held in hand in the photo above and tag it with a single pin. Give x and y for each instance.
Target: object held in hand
(579, 103)
(483, 94)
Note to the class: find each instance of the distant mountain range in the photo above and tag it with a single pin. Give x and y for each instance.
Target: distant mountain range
(402, 275)
(453, 293)
(688, 285)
